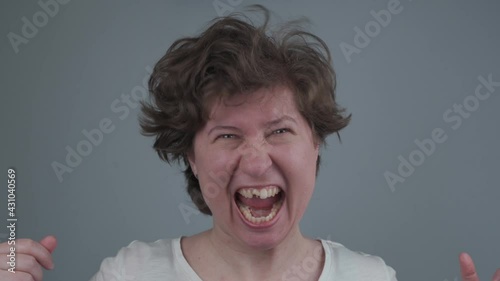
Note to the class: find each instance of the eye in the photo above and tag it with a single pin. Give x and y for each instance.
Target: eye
(226, 136)
(281, 131)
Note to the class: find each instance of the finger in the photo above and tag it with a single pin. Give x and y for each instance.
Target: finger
(28, 264)
(32, 248)
(23, 263)
(49, 242)
(467, 268)
(18, 276)
(496, 276)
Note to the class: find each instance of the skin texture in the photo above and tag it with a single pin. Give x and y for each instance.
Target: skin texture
(240, 147)
(40, 255)
(255, 140)
(31, 256)
(247, 151)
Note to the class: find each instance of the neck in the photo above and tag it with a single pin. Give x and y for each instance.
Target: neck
(259, 264)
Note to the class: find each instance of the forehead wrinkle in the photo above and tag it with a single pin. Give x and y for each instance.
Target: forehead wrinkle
(282, 108)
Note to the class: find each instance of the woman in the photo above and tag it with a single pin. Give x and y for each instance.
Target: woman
(246, 113)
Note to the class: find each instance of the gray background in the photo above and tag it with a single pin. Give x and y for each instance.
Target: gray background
(427, 59)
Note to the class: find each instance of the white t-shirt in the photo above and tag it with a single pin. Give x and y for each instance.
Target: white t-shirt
(164, 260)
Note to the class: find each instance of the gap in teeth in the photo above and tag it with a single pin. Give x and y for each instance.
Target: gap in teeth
(262, 193)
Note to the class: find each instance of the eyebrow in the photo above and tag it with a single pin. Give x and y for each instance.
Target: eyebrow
(222, 128)
(280, 120)
(267, 124)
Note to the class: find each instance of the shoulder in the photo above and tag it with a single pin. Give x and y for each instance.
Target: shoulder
(148, 260)
(355, 265)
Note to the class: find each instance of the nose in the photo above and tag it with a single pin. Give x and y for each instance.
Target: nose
(255, 160)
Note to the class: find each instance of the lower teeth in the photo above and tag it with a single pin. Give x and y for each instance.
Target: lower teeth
(247, 213)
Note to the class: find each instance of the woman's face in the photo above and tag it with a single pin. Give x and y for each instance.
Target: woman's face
(256, 163)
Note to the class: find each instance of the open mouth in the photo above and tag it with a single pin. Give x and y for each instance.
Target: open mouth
(259, 205)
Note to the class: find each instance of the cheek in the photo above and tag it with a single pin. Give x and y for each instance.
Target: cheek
(301, 171)
(302, 159)
(216, 174)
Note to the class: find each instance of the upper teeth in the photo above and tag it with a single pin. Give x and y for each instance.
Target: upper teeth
(262, 193)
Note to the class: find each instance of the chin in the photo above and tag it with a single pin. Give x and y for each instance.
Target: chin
(263, 241)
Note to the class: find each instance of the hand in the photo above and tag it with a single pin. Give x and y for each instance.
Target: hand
(468, 270)
(30, 257)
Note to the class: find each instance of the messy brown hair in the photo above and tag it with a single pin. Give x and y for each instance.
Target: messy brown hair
(233, 56)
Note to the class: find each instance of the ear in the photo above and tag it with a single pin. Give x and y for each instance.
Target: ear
(192, 162)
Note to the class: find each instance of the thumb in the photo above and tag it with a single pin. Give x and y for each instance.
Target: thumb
(49, 242)
(467, 268)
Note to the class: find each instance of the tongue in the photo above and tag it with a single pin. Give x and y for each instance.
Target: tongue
(257, 203)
